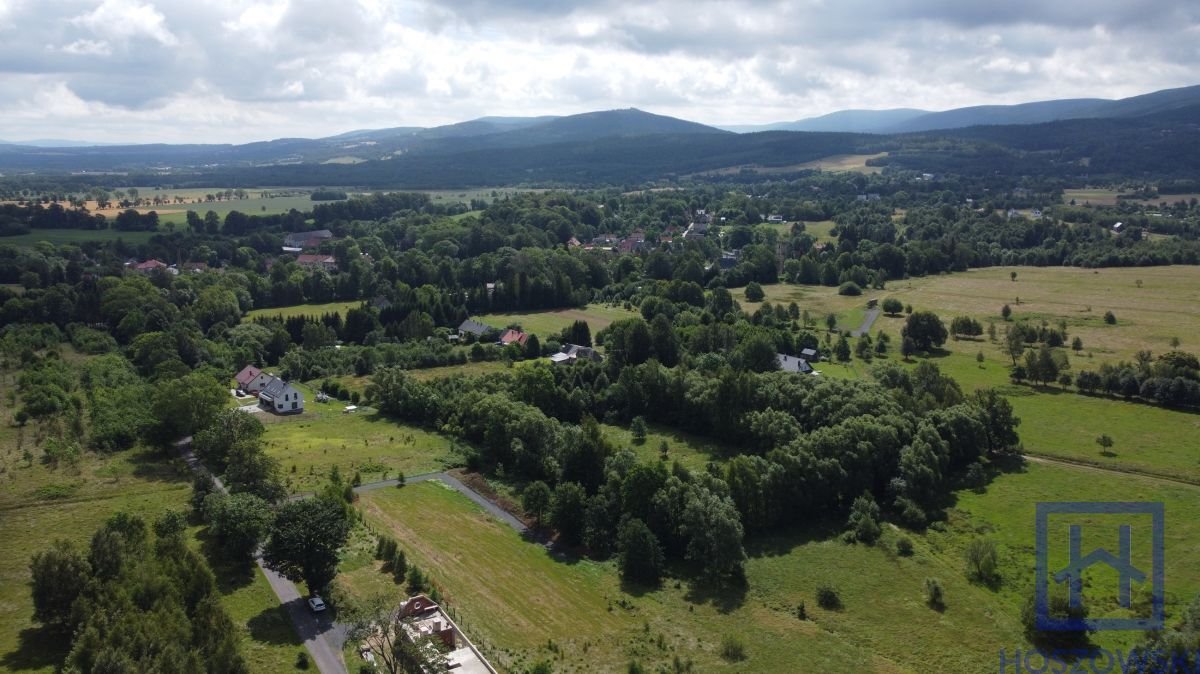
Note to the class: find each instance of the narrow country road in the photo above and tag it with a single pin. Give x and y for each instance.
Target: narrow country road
(1038, 458)
(868, 321)
(322, 637)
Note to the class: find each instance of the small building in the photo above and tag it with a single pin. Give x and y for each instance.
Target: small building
(811, 355)
(1118, 227)
(281, 397)
(474, 327)
(774, 217)
(792, 364)
(326, 262)
(511, 336)
(251, 379)
(307, 239)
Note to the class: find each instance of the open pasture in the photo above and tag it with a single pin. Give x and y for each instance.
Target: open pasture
(309, 445)
(546, 324)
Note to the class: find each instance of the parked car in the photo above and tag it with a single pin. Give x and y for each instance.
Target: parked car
(316, 604)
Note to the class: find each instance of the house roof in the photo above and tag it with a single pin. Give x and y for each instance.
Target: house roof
(792, 364)
(304, 237)
(150, 264)
(474, 327)
(315, 259)
(509, 336)
(276, 387)
(247, 375)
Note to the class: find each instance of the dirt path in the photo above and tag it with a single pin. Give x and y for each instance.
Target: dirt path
(1107, 471)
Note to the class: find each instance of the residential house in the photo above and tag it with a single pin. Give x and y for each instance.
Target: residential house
(471, 326)
(511, 336)
(872, 196)
(149, 266)
(422, 618)
(251, 379)
(792, 364)
(571, 353)
(307, 239)
(281, 397)
(811, 355)
(326, 262)
(774, 217)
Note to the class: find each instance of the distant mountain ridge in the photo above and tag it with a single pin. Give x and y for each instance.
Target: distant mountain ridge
(905, 120)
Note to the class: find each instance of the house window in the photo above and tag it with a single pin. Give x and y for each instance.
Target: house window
(293, 405)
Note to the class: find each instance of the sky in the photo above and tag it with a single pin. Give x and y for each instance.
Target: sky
(243, 70)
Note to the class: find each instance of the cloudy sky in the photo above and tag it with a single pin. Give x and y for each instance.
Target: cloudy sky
(241, 70)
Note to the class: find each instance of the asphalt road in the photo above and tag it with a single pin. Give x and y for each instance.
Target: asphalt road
(868, 321)
(323, 638)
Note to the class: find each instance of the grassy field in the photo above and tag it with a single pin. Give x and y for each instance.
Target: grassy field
(308, 445)
(1005, 512)
(819, 301)
(1105, 197)
(76, 236)
(268, 201)
(530, 600)
(304, 310)
(693, 451)
(1152, 304)
(856, 163)
(547, 323)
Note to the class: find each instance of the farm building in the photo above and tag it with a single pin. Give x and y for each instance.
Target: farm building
(571, 353)
(326, 262)
(307, 239)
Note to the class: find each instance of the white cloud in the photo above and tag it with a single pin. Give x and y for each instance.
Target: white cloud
(127, 19)
(238, 70)
(88, 48)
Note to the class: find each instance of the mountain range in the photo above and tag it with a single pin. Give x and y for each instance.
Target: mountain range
(908, 120)
(1154, 132)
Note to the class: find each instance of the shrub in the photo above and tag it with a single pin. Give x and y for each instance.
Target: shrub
(828, 598)
(1110, 318)
(754, 292)
(302, 660)
(982, 560)
(904, 547)
(934, 595)
(849, 288)
(732, 648)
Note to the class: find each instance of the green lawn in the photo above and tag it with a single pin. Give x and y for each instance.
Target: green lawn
(545, 324)
(315, 310)
(308, 445)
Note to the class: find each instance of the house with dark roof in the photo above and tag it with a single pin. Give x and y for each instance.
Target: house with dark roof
(251, 379)
(573, 353)
(811, 355)
(792, 364)
(281, 397)
(474, 327)
(307, 239)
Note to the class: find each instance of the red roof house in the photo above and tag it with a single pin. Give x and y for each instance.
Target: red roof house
(510, 336)
(251, 379)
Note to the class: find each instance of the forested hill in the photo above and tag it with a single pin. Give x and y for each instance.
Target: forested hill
(630, 146)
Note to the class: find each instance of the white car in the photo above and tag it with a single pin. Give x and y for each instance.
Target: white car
(316, 604)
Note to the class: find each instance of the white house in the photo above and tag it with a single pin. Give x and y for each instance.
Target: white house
(281, 397)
